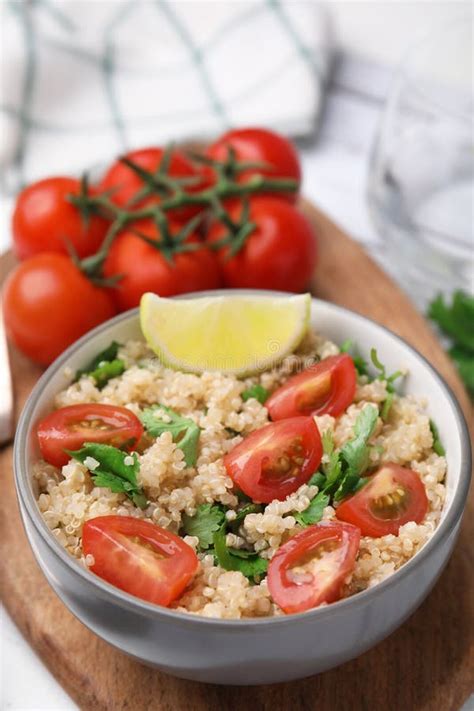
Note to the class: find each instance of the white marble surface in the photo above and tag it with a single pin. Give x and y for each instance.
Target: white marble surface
(335, 170)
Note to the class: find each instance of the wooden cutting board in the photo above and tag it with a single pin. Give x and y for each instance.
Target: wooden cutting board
(427, 664)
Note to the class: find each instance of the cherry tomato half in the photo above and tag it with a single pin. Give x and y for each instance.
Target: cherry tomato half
(275, 460)
(263, 146)
(393, 496)
(125, 184)
(328, 387)
(44, 220)
(145, 268)
(139, 557)
(280, 253)
(69, 427)
(48, 303)
(311, 567)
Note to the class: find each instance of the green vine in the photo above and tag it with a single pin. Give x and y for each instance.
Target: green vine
(173, 196)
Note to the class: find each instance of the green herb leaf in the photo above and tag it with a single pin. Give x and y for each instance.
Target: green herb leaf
(331, 469)
(437, 446)
(386, 407)
(382, 371)
(206, 521)
(256, 391)
(104, 366)
(252, 566)
(355, 452)
(317, 479)
(456, 319)
(464, 361)
(359, 362)
(247, 509)
(106, 371)
(185, 432)
(314, 512)
(113, 472)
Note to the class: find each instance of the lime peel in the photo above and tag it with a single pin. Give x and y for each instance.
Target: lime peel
(233, 334)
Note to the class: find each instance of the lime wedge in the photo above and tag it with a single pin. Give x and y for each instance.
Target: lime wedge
(238, 334)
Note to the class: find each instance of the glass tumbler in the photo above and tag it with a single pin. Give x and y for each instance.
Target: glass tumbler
(421, 177)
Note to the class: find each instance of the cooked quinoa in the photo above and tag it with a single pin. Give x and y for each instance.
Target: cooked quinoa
(67, 497)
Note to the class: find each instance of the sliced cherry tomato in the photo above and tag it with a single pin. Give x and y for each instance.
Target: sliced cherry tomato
(145, 268)
(311, 567)
(139, 557)
(280, 252)
(69, 427)
(48, 303)
(275, 460)
(262, 146)
(125, 184)
(393, 496)
(45, 221)
(326, 388)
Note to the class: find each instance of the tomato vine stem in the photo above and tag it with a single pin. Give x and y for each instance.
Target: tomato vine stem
(173, 196)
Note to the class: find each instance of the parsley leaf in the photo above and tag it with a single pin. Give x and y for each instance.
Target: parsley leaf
(256, 391)
(386, 407)
(456, 321)
(104, 366)
(244, 511)
(437, 446)
(382, 371)
(465, 364)
(185, 432)
(359, 362)
(252, 565)
(314, 512)
(331, 469)
(113, 472)
(206, 521)
(355, 452)
(317, 479)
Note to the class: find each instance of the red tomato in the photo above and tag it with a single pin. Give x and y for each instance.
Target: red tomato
(145, 268)
(126, 184)
(393, 496)
(259, 144)
(44, 219)
(275, 460)
(280, 253)
(48, 303)
(326, 388)
(139, 557)
(69, 427)
(311, 567)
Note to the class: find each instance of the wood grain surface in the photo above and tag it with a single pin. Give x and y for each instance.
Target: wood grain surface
(428, 664)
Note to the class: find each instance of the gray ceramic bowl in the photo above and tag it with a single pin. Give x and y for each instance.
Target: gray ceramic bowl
(255, 651)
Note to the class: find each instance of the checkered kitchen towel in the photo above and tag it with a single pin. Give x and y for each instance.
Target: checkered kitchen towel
(85, 79)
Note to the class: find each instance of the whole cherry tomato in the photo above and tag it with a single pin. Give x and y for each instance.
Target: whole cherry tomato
(125, 184)
(48, 303)
(263, 146)
(145, 268)
(44, 220)
(280, 252)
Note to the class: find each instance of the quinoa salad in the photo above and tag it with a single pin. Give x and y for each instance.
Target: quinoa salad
(236, 533)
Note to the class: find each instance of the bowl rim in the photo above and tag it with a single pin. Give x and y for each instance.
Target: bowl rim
(135, 604)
